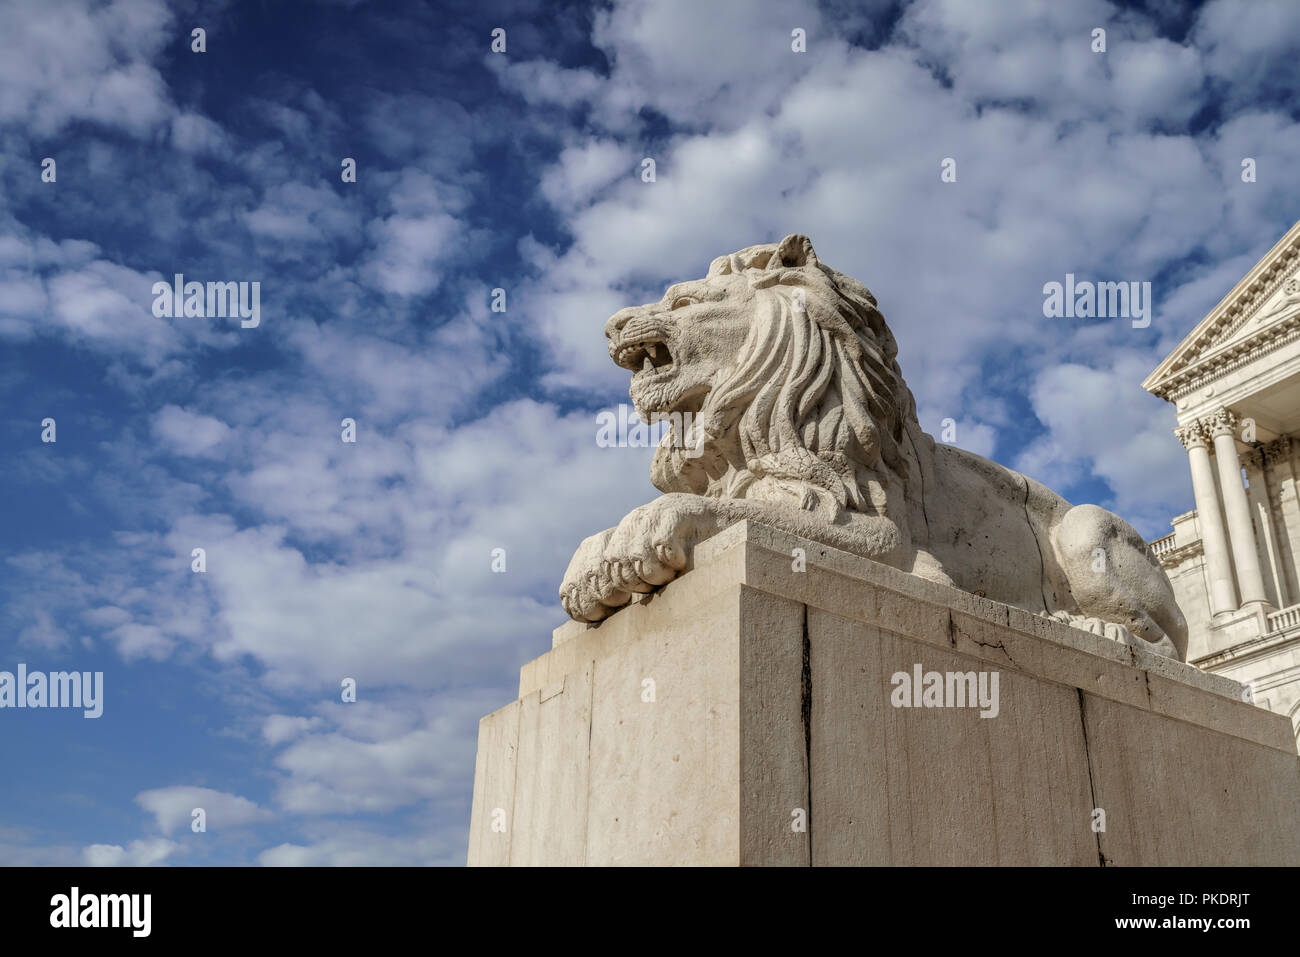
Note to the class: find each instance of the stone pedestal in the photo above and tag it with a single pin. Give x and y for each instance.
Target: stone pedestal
(748, 698)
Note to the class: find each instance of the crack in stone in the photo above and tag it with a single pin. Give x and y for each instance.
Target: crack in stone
(806, 708)
(1042, 562)
(954, 631)
(920, 470)
(995, 644)
(1092, 788)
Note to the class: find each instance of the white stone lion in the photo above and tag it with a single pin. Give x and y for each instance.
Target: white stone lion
(800, 419)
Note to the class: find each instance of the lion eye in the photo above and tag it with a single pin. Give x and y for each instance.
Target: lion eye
(681, 301)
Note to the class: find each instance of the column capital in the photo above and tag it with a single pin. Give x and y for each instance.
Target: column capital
(1192, 435)
(1277, 450)
(1221, 422)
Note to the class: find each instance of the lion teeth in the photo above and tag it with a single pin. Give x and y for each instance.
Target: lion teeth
(647, 365)
(652, 349)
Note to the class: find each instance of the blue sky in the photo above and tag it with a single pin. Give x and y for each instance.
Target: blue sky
(476, 430)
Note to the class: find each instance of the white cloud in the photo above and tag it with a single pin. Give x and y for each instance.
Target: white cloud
(584, 169)
(1095, 425)
(69, 290)
(43, 633)
(63, 61)
(1251, 44)
(358, 848)
(411, 242)
(702, 64)
(280, 729)
(142, 853)
(106, 305)
(188, 433)
(195, 133)
(173, 808)
(141, 641)
(297, 217)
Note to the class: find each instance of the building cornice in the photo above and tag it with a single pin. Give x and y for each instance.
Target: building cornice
(1174, 557)
(1263, 646)
(1230, 360)
(1196, 361)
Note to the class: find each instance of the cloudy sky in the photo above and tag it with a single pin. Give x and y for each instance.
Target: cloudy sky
(476, 430)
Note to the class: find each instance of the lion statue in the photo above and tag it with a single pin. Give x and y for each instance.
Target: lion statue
(799, 419)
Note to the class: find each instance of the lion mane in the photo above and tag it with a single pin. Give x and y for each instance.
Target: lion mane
(816, 403)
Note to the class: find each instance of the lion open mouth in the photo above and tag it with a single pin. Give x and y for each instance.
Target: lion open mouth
(644, 355)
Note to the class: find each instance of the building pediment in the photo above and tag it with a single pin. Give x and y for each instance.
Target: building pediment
(1260, 312)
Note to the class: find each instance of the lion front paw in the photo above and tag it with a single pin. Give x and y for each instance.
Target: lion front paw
(582, 590)
(1105, 629)
(648, 549)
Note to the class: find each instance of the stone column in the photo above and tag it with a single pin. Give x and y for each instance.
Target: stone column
(1281, 465)
(1218, 564)
(1260, 495)
(1241, 530)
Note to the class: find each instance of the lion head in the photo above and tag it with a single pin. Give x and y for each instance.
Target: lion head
(786, 372)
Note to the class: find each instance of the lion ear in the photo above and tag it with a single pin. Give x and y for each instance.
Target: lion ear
(793, 251)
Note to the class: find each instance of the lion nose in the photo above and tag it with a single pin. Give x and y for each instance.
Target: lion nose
(617, 321)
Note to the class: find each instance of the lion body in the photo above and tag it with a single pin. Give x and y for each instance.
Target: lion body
(971, 509)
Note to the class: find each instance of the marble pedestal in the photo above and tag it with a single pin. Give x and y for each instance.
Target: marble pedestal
(747, 714)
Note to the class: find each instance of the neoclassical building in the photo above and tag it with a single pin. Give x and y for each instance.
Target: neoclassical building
(1235, 384)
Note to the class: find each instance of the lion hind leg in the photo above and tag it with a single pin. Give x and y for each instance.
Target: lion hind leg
(1116, 580)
